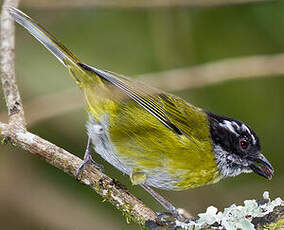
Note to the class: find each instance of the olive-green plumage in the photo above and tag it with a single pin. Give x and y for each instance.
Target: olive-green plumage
(155, 134)
(146, 143)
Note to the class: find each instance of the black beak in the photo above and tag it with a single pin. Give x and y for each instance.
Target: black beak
(261, 166)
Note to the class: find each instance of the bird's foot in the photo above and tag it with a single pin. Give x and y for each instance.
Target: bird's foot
(173, 213)
(176, 214)
(172, 220)
(89, 160)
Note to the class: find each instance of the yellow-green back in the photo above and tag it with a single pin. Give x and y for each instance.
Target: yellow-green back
(140, 136)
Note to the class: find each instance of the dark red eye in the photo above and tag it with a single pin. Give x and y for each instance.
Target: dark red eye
(244, 144)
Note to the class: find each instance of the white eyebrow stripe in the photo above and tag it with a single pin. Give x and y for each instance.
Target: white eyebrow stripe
(245, 128)
(236, 124)
(229, 125)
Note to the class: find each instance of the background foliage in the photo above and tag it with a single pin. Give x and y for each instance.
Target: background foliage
(34, 195)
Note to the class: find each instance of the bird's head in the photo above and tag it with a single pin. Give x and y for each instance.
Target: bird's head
(237, 148)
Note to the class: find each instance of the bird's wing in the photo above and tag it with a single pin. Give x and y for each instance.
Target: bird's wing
(170, 110)
(183, 115)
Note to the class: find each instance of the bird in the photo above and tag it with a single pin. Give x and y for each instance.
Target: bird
(156, 138)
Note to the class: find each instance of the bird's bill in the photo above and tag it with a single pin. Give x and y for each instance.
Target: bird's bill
(261, 166)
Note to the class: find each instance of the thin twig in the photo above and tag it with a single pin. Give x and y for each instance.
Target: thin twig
(216, 72)
(135, 3)
(58, 103)
(11, 93)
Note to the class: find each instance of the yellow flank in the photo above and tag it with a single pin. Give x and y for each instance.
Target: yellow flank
(146, 144)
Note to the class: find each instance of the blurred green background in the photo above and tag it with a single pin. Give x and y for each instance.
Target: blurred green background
(35, 195)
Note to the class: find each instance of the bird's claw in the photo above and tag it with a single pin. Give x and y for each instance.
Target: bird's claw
(171, 216)
(88, 160)
(169, 220)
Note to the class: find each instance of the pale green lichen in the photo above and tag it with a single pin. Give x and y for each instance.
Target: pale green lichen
(235, 217)
(4, 140)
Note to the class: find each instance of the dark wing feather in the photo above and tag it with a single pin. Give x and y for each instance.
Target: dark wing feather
(157, 103)
(181, 114)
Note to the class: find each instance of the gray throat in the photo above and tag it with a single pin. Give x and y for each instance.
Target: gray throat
(229, 164)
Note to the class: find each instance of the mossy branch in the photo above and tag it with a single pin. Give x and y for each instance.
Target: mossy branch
(261, 214)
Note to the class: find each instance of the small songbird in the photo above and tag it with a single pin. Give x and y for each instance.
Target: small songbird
(156, 138)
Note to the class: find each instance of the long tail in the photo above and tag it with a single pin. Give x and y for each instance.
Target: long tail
(44, 37)
(64, 55)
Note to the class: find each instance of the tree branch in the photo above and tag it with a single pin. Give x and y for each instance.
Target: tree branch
(217, 72)
(11, 93)
(253, 214)
(108, 188)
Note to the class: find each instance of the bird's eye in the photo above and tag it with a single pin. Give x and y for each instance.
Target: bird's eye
(244, 144)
